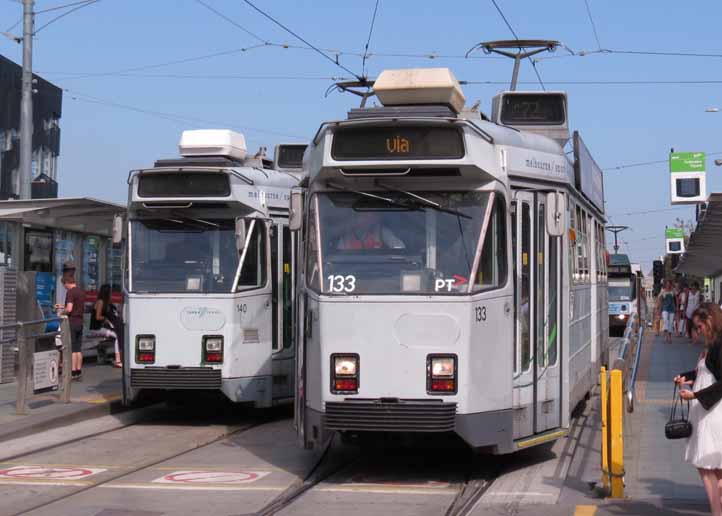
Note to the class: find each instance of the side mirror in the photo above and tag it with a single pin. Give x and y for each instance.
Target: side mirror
(295, 214)
(240, 233)
(117, 229)
(556, 213)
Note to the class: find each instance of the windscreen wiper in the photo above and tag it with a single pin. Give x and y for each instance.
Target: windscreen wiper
(427, 202)
(388, 200)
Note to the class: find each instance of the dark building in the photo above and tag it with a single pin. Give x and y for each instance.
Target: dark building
(47, 103)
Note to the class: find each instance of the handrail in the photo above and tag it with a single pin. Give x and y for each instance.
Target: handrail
(635, 369)
(21, 324)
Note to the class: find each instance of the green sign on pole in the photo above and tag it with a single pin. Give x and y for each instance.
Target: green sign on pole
(674, 233)
(686, 162)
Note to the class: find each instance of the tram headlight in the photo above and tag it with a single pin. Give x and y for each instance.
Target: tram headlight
(344, 373)
(145, 349)
(441, 374)
(213, 348)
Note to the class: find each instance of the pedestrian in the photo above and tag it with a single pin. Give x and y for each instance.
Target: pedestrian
(74, 307)
(693, 301)
(104, 320)
(704, 446)
(657, 322)
(668, 303)
(681, 311)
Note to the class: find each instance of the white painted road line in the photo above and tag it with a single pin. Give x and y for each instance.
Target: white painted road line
(191, 487)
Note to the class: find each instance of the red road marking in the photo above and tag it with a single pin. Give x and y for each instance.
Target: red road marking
(211, 477)
(40, 472)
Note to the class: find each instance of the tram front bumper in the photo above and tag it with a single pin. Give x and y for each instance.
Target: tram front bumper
(492, 430)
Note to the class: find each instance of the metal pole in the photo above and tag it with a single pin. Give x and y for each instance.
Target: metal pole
(604, 413)
(21, 407)
(616, 435)
(67, 359)
(26, 105)
(515, 73)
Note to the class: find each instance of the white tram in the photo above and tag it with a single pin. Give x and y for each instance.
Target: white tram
(211, 265)
(452, 275)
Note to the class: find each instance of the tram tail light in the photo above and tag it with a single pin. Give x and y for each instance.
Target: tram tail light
(441, 374)
(213, 349)
(344, 373)
(145, 349)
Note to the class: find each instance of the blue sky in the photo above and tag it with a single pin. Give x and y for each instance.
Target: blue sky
(621, 124)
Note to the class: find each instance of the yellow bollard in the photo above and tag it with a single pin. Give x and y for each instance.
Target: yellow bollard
(616, 434)
(604, 411)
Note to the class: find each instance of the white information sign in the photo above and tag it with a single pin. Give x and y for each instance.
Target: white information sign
(45, 370)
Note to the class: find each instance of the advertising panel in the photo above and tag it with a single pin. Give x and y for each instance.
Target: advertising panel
(588, 176)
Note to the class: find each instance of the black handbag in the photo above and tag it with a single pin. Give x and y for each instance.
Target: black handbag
(678, 427)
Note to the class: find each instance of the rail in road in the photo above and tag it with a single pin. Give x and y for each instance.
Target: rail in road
(244, 465)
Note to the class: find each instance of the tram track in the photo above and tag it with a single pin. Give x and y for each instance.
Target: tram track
(329, 470)
(228, 432)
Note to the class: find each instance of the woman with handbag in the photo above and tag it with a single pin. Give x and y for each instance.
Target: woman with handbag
(704, 447)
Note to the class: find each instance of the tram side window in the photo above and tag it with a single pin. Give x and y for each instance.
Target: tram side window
(574, 273)
(582, 246)
(493, 266)
(253, 267)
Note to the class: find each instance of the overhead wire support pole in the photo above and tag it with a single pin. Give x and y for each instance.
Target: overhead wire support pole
(26, 104)
(616, 230)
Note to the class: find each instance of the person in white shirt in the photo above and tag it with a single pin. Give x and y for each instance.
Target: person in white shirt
(694, 298)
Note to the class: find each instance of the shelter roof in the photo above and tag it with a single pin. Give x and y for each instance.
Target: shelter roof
(703, 254)
(81, 214)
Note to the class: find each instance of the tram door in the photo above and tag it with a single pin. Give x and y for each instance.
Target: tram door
(537, 378)
(282, 268)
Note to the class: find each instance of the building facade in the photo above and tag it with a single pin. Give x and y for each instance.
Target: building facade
(47, 110)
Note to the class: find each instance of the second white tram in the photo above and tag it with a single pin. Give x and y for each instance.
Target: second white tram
(209, 278)
(452, 274)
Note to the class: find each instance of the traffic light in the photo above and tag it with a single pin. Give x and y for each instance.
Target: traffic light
(658, 271)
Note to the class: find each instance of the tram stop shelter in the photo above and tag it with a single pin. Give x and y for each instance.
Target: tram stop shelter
(703, 253)
(39, 238)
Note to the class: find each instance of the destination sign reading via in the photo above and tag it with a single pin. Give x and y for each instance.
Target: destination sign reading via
(397, 143)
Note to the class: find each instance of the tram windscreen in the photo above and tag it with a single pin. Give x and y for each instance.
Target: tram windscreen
(197, 255)
(404, 243)
(621, 292)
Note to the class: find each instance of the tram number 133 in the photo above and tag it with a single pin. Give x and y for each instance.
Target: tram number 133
(340, 283)
(480, 313)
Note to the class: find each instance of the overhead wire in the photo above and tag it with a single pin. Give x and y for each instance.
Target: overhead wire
(75, 95)
(231, 21)
(646, 163)
(83, 75)
(511, 29)
(591, 21)
(66, 13)
(368, 40)
(300, 38)
(59, 7)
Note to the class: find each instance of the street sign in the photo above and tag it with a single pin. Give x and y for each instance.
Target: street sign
(688, 184)
(680, 162)
(674, 233)
(45, 371)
